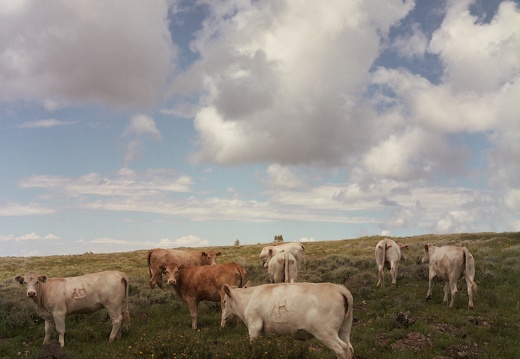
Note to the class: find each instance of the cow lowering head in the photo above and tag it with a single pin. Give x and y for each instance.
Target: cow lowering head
(403, 248)
(428, 251)
(33, 281)
(172, 271)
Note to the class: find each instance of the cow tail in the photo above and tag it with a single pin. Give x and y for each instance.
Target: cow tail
(126, 312)
(470, 268)
(148, 260)
(382, 259)
(286, 257)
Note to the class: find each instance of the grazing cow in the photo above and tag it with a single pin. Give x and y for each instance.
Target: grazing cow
(320, 310)
(296, 249)
(388, 254)
(159, 257)
(56, 298)
(197, 283)
(449, 264)
(282, 267)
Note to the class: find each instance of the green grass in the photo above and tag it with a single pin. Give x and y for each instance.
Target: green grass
(390, 322)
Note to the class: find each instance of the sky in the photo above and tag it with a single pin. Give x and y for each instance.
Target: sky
(135, 124)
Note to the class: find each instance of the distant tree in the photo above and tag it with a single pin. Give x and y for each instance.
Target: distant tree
(237, 243)
(278, 238)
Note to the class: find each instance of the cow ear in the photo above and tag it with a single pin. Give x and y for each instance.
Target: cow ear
(426, 247)
(227, 290)
(270, 251)
(218, 254)
(42, 278)
(204, 254)
(162, 268)
(182, 266)
(19, 279)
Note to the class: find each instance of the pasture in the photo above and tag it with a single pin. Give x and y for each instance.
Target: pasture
(389, 322)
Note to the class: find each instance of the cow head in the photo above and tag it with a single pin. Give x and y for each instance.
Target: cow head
(172, 271)
(403, 248)
(210, 257)
(428, 251)
(33, 282)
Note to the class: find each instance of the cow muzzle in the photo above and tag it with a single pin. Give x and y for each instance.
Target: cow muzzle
(172, 282)
(31, 294)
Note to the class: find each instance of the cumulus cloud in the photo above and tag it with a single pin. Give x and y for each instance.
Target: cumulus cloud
(116, 53)
(281, 177)
(281, 82)
(28, 237)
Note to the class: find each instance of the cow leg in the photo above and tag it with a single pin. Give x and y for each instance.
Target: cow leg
(156, 279)
(255, 329)
(446, 292)
(117, 319)
(344, 334)
(470, 294)
(430, 282)
(380, 277)
(59, 320)
(454, 290)
(393, 271)
(49, 326)
(333, 342)
(193, 307)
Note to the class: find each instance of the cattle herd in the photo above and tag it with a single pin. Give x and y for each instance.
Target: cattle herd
(320, 310)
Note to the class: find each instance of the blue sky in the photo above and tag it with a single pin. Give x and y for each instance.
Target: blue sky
(129, 125)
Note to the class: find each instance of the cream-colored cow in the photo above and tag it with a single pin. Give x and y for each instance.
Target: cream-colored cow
(449, 264)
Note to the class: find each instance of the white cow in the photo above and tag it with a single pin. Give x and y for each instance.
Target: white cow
(282, 267)
(56, 298)
(388, 253)
(305, 310)
(296, 249)
(449, 264)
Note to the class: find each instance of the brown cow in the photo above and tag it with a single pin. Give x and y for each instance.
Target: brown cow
(194, 284)
(56, 298)
(449, 263)
(159, 257)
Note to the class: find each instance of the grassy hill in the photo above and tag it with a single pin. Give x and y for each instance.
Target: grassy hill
(390, 322)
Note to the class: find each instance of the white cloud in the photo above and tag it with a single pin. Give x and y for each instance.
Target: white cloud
(140, 127)
(12, 209)
(281, 177)
(51, 122)
(28, 237)
(280, 82)
(125, 183)
(116, 52)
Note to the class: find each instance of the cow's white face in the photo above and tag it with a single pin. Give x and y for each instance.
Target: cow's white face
(32, 281)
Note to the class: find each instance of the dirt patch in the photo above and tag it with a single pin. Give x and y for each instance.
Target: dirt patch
(465, 350)
(412, 341)
(53, 350)
(444, 327)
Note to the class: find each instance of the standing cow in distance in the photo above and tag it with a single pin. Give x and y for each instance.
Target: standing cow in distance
(449, 264)
(305, 310)
(194, 284)
(388, 254)
(56, 298)
(281, 267)
(159, 257)
(296, 249)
